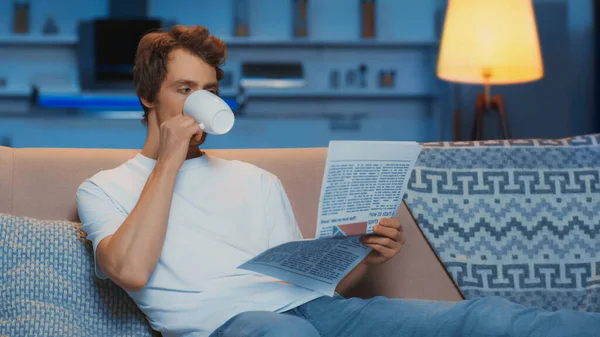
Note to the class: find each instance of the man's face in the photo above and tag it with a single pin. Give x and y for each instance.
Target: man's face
(186, 73)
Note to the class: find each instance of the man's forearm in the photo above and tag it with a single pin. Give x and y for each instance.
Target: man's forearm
(352, 279)
(132, 252)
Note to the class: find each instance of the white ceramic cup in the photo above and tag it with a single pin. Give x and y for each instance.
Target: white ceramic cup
(212, 113)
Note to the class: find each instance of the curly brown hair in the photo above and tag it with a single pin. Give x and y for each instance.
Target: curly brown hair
(152, 57)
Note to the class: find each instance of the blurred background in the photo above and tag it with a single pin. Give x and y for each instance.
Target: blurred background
(299, 72)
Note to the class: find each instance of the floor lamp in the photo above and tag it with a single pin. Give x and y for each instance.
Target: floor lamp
(489, 42)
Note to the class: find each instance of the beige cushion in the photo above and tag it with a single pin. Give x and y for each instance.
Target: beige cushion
(48, 179)
(6, 179)
(41, 183)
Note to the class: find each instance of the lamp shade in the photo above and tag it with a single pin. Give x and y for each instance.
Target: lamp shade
(490, 42)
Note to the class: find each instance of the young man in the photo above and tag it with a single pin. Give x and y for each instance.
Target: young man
(171, 225)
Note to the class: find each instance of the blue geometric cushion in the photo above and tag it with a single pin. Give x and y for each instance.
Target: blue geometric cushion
(47, 285)
(518, 219)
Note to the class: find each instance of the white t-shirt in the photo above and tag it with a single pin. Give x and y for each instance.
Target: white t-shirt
(223, 213)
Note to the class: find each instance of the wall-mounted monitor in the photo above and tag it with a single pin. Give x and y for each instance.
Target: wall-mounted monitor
(107, 49)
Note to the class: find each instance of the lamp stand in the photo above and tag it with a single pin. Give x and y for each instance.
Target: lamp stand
(457, 114)
(484, 104)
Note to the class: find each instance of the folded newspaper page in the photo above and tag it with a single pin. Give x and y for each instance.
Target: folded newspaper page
(363, 182)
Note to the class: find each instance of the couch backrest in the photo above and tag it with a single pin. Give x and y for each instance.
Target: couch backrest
(42, 182)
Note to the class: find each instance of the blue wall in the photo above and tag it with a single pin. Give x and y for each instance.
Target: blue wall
(67, 13)
(569, 76)
(328, 19)
(24, 64)
(581, 65)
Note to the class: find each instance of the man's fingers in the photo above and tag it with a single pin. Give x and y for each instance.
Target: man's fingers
(380, 240)
(185, 121)
(390, 223)
(198, 133)
(194, 129)
(389, 232)
(383, 250)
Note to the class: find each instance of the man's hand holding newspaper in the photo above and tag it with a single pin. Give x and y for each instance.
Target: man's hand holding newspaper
(363, 186)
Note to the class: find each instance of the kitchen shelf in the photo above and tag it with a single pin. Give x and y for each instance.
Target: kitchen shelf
(337, 95)
(14, 93)
(38, 40)
(132, 99)
(309, 43)
(72, 40)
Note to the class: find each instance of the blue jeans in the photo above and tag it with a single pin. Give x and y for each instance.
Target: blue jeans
(380, 316)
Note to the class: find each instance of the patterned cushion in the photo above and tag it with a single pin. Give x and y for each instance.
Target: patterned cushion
(47, 285)
(518, 219)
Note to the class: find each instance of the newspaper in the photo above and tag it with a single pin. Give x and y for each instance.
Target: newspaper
(363, 182)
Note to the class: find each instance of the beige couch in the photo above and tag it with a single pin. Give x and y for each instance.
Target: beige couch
(41, 183)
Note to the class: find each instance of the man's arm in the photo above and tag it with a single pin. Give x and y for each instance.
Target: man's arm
(129, 256)
(386, 243)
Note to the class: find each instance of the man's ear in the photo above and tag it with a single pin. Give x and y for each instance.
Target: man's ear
(146, 103)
